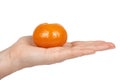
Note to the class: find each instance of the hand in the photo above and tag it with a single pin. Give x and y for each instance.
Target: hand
(28, 54)
(24, 53)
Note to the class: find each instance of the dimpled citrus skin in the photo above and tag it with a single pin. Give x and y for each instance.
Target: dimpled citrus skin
(49, 35)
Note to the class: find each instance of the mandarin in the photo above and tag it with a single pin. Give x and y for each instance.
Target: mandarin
(49, 35)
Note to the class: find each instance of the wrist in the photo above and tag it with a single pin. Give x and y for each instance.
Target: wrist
(7, 64)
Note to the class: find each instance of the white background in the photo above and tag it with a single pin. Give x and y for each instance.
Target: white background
(83, 20)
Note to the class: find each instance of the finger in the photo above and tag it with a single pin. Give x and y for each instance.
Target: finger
(76, 52)
(96, 45)
(82, 43)
(99, 47)
(111, 45)
(27, 40)
(68, 53)
(86, 43)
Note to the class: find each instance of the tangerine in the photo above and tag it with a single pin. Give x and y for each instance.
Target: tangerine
(49, 35)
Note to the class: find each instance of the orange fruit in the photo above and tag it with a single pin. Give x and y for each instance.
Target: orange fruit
(49, 35)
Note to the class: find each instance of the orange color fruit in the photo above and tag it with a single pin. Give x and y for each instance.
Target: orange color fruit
(49, 35)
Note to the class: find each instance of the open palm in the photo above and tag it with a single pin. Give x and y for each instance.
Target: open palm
(28, 54)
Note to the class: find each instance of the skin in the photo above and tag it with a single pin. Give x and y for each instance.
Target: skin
(24, 53)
